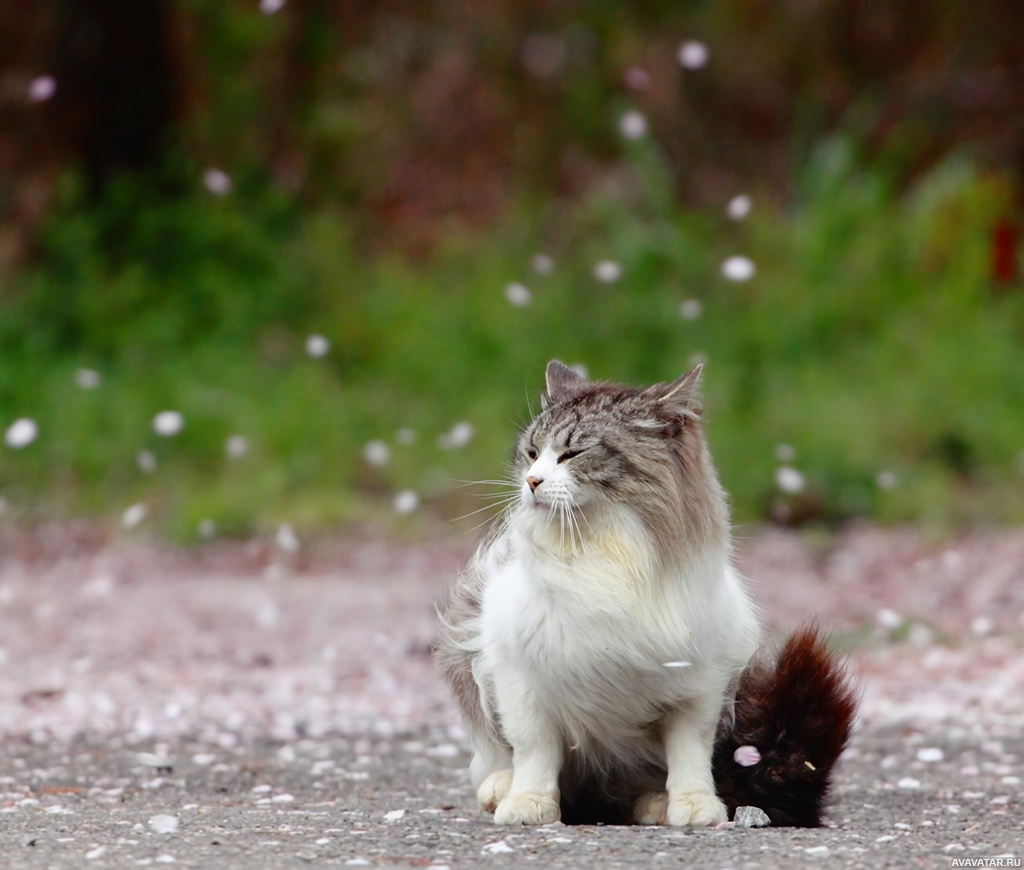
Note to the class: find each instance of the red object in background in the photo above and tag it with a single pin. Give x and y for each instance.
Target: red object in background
(1004, 251)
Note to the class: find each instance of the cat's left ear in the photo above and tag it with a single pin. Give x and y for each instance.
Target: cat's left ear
(682, 395)
(562, 383)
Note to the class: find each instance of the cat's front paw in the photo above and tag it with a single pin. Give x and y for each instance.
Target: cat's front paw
(651, 808)
(527, 808)
(494, 790)
(696, 809)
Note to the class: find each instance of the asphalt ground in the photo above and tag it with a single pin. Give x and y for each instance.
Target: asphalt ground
(247, 708)
(405, 802)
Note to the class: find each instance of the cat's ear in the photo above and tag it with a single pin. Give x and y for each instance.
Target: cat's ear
(562, 383)
(682, 395)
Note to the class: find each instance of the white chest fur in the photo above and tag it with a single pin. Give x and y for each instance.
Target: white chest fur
(604, 643)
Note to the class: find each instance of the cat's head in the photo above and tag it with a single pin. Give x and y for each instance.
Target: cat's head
(598, 449)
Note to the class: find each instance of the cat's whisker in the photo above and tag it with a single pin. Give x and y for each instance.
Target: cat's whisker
(503, 517)
(503, 502)
(462, 484)
(574, 514)
(571, 526)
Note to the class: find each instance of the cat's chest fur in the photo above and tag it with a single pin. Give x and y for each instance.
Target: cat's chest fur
(607, 642)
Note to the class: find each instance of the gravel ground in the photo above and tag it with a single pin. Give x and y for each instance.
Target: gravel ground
(242, 706)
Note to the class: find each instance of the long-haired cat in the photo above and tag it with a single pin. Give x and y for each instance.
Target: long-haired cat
(602, 648)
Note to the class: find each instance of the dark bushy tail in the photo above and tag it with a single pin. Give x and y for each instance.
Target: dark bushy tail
(797, 714)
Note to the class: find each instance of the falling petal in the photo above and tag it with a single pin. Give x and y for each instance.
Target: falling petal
(460, 435)
(406, 502)
(886, 480)
(789, 480)
(693, 54)
(42, 88)
(236, 446)
(133, 516)
(746, 756)
(888, 619)
(785, 453)
(168, 423)
(146, 461)
(87, 379)
(543, 264)
(217, 181)
(286, 538)
(269, 7)
(317, 346)
(543, 55)
(518, 295)
(607, 271)
(21, 433)
(691, 309)
(982, 625)
(633, 125)
(739, 207)
(739, 268)
(636, 79)
(377, 453)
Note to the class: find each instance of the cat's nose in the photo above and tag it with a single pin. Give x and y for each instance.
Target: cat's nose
(534, 482)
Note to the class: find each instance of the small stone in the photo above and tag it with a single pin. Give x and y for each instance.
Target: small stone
(751, 817)
(163, 823)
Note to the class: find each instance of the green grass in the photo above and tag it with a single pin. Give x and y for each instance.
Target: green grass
(869, 340)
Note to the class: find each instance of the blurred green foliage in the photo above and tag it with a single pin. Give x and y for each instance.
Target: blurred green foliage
(870, 341)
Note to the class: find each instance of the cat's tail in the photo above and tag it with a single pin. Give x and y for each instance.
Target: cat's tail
(791, 722)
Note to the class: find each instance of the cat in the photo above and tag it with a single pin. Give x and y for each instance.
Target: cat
(602, 648)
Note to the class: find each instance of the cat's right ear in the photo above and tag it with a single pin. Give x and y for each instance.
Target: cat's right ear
(683, 395)
(562, 383)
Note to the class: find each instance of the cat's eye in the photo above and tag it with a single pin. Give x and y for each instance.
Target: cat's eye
(569, 454)
(531, 453)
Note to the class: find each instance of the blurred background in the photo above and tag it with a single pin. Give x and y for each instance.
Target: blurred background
(280, 266)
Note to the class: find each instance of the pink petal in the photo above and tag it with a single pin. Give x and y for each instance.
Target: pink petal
(746, 755)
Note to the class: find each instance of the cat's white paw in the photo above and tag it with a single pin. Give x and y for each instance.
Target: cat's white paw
(696, 809)
(494, 790)
(651, 808)
(527, 808)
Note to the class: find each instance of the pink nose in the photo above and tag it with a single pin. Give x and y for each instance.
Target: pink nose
(534, 482)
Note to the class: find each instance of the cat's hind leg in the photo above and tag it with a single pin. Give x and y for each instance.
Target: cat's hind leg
(490, 771)
(494, 789)
(651, 808)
